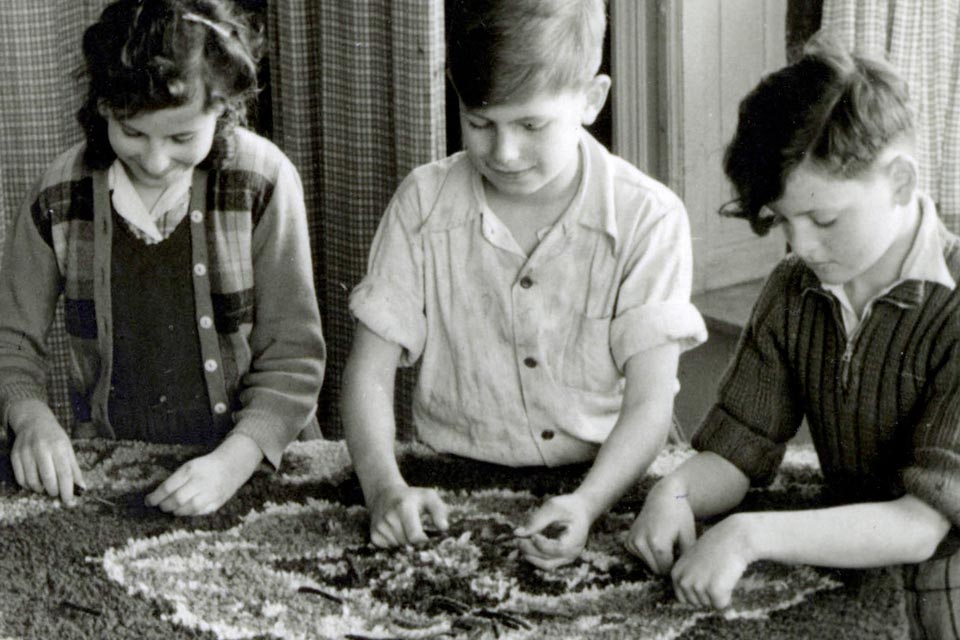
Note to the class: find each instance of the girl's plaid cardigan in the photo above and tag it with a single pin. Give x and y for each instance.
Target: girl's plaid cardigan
(255, 303)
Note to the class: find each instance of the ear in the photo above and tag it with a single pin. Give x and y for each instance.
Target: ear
(595, 96)
(104, 110)
(903, 173)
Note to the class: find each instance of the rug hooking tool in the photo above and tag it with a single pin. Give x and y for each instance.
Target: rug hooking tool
(80, 491)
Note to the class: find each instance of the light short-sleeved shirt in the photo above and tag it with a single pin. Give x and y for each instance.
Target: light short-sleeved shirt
(523, 356)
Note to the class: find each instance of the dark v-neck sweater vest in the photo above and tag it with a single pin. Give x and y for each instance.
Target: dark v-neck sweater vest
(157, 391)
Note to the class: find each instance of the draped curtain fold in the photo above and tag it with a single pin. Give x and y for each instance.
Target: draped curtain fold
(39, 59)
(356, 101)
(920, 38)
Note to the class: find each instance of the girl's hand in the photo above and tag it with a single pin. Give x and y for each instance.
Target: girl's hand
(396, 514)
(202, 485)
(665, 524)
(42, 457)
(569, 512)
(707, 573)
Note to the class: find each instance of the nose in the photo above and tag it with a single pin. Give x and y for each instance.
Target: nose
(155, 159)
(803, 241)
(505, 148)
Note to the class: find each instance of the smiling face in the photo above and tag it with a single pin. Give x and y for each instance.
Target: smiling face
(159, 147)
(530, 147)
(845, 229)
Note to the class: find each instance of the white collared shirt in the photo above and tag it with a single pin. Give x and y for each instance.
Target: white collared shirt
(155, 224)
(522, 357)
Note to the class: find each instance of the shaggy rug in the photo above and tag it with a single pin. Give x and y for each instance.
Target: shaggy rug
(288, 557)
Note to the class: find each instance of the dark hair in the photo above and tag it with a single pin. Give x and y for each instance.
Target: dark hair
(831, 107)
(502, 50)
(144, 55)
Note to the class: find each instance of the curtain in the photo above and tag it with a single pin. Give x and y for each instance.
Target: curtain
(920, 38)
(39, 59)
(356, 100)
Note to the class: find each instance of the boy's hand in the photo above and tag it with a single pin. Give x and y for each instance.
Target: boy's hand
(569, 512)
(706, 574)
(202, 485)
(42, 456)
(665, 523)
(396, 515)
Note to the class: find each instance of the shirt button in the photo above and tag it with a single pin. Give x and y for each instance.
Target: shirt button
(163, 399)
(196, 216)
(219, 408)
(526, 282)
(206, 322)
(547, 434)
(210, 366)
(200, 269)
(530, 362)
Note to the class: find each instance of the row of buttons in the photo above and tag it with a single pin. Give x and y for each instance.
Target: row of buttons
(206, 322)
(220, 408)
(526, 282)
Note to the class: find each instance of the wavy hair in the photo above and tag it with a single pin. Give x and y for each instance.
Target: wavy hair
(144, 55)
(836, 109)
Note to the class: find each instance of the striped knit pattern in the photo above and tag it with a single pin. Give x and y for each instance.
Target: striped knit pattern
(885, 418)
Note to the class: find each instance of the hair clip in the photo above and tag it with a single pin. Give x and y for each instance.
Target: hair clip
(210, 24)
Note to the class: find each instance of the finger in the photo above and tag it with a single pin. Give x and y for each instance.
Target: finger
(65, 484)
(381, 535)
(176, 480)
(179, 498)
(411, 523)
(662, 555)
(393, 522)
(194, 506)
(438, 511)
(64, 463)
(31, 478)
(719, 596)
(540, 547)
(547, 564)
(18, 473)
(75, 467)
(538, 521)
(48, 473)
(643, 551)
(687, 537)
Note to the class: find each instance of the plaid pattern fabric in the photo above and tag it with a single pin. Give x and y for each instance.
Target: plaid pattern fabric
(39, 54)
(921, 39)
(358, 102)
(932, 598)
(248, 230)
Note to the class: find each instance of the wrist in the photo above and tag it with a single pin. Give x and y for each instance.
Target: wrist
(749, 536)
(24, 413)
(240, 448)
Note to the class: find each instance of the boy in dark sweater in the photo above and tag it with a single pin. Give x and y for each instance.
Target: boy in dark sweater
(858, 330)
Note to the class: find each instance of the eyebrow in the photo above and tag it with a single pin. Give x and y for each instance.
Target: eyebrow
(185, 132)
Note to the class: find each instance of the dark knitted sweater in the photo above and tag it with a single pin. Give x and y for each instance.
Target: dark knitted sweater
(883, 411)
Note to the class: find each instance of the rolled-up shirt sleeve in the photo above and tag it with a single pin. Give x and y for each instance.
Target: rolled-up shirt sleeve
(390, 300)
(653, 305)
(758, 409)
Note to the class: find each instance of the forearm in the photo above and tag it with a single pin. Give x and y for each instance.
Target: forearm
(367, 410)
(710, 484)
(640, 431)
(864, 535)
(632, 446)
